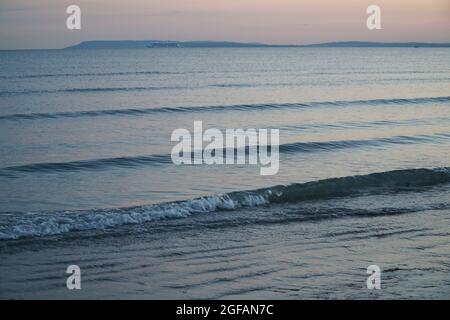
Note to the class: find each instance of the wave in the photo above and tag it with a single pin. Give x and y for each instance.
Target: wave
(234, 85)
(85, 74)
(242, 107)
(284, 71)
(55, 223)
(155, 160)
(89, 90)
(344, 144)
(214, 85)
(366, 124)
(91, 164)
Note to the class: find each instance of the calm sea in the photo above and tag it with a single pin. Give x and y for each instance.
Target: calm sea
(86, 176)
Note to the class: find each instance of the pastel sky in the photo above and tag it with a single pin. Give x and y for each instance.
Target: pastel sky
(42, 23)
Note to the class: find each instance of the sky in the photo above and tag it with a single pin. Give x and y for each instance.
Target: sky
(39, 24)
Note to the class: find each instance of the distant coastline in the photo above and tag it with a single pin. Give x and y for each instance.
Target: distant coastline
(136, 44)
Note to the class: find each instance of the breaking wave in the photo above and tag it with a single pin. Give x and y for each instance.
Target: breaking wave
(55, 223)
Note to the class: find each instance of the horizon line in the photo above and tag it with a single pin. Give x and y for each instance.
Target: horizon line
(446, 43)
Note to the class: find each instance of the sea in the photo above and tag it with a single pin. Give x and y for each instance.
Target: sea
(86, 176)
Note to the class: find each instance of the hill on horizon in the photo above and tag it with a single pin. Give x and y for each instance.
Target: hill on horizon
(130, 44)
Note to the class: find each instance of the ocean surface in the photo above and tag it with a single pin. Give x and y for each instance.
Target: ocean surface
(86, 176)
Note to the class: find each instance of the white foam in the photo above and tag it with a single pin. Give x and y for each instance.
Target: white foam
(33, 225)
